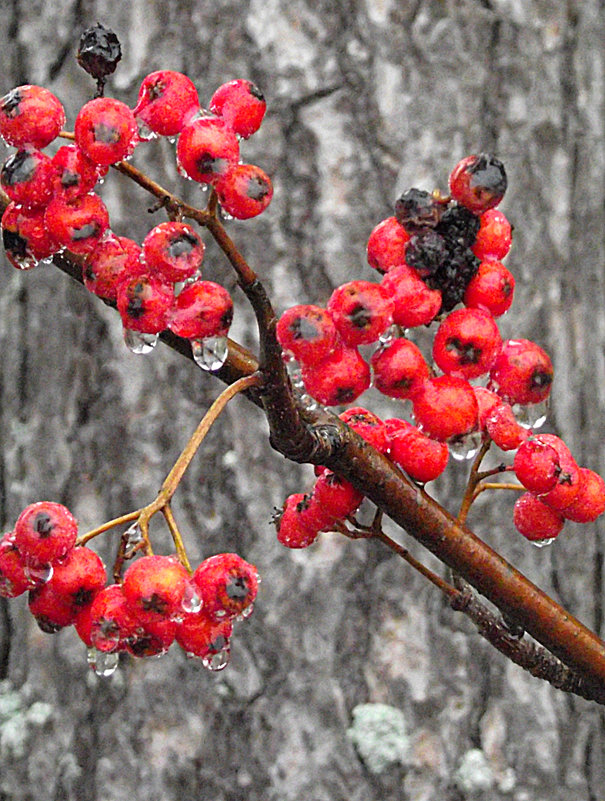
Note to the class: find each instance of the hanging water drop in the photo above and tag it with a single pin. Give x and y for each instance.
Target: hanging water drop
(217, 661)
(532, 415)
(133, 534)
(192, 601)
(389, 334)
(210, 353)
(245, 613)
(145, 132)
(139, 343)
(543, 543)
(465, 446)
(39, 574)
(104, 664)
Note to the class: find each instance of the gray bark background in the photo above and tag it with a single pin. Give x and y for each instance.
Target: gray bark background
(365, 100)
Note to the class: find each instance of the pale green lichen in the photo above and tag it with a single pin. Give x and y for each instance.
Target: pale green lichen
(379, 734)
(17, 721)
(474, 773)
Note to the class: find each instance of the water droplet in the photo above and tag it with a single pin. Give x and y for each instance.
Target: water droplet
(172, 139)
(145, 132)
(192, 601)
(465, 446)
(217, 661)
(39, 574)
(543, 543)
(533, 415)
(389, 334)
(133, 534)
(245, 613)
(210, 353)
(308, 402)
(226, 216)
(204, 187)
(136, 342)
(181, 171)
(103, 664)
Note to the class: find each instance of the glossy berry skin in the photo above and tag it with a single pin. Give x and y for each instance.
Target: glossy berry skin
(173, 251)
(51, 611)
(422, 458)
(242, 106)
(386, 245)
(487, 402)
(154, 586)
(75, 173)
(300, 521)
(202, 309)
(227, 584)
(369, 427)
(568, 479)
(307, 332)
(467, 343)
(494, 236)
(105, 130)
(112, 620)
(244, 191)
(44, 532)
(589, 502)
(535, 520)
(399, 369)
(30, 116)
(338, 379)
(201, 636)
(25, 237)
(414, 303)
(78, 578)
(151, 639)
(504, 429)
(27, 177)
(445, 407)
(207, 149)
(336, 496)
(478, 182)
(114, 259)
(79, 224)
(167, 101)
(522, 372)
(145, 304)
(361, 312)
(537, 466)
(491, 288)
(14, 579)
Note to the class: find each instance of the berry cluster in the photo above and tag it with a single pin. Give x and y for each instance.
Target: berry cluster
(156, 603)
(54, 205)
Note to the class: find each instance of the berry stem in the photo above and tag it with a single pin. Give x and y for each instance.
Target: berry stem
(117, 521)
(473, 480)
(451, 592)
(176, 537)
(494, 485)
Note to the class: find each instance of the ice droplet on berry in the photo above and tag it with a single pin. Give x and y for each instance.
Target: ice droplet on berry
(532, 415)
(192, 601)
(245, 613)
(39, 574)
(133, 534)
(465, 446)
(103, 664)
(543, 543)
(144, 131)
(217, 661)
(392, 332)
(210, 353)
(139, 343)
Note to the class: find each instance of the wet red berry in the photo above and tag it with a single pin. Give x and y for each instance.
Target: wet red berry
(30, 116)
(361, 312)
(173, 251)
(75, 174)
(399, 369)
(112, 620)
(207, 149)
(568, 478)
(467, 343)
(414, 303)
(522, 372)
(504, 429)
(227, 584)
(25, 237)
(78, 578)
(307, 332)
(202, 309)
(491, 288)
(478, 182)
(241, 105)
(79, 224)
(494, 236)
(28, 177)
(535, 520)
(336, 496)
(202, 636)
(244, 191)
(589, 502)
(145, 303)
(368, 426)
(14, 579)
(386, 245)
(537, 466)
(339, 379)
(154, 586)
(114, 259)
(44, 532)
(300, 521)
(422, 458)
(105, 130)
(445, 407)
(167, 101)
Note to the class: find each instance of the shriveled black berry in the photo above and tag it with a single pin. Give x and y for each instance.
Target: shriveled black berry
(99, 51)
(416, 210)
(459, 225)
(426, 252)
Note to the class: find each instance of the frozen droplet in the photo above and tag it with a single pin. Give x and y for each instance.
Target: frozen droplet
(204, 187)
(104, 664)
(182, 171)
(245, 613)
(192, 601)
(308, 402)
(210, 353)
(172, 139)
(543, 543)
(136, 342)
(39, 574)
(145, 132)
(465, 446)
(133, 534)
(226, 216)
(532, 415)
(389, 334)
(217, 661)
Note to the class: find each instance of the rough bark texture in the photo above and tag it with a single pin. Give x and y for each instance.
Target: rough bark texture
(365, 99)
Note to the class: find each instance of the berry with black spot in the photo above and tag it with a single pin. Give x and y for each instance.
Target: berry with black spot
(154, 587)
(202, 636)
(494, 236)
(537, 466)
(417, 210)
(478, 182)
(227, 585)
(99, 52)
(27, 177)
(422, 458)
(589, 503)
(368, 425)
(535, 520)
(173, 251)
(145, 303)
(568, 479)
(467, 343)
(386, 245)
(202, 309)
(44, 532)
(207, 149)
(25, 237)
(399, 369)
(79, 224)
(114, 259)
(167, 101)
(112, 620)
(75, 173)
(491, 288)
(242, 106)
(105, 130)
(414, 303)
(77, 578)
(51, 611)
(300, 520)
(522, 372)
(361, 312)
(244, 191)
(336, 496)
(307, 332)
(30, 116)
(338, 379)
(151, 638)
(445, 407)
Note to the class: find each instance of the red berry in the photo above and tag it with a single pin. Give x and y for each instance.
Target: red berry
(167, 101)
(339, 379)
(79, 224)
(154, 586)
(242, 106)
(522, 372)
(28, 178)
(535, 520)
(173, 251)
(589, 503)
(537, 466)
(361, 312)
(487, 401)
(227, 585)
(422, 458)
(207, 149)
(51, 611)
(75, 174)
(78, 578)
(145, 303)
(491, 288)
(113, 259)
(25, 237)
(151, 638)
(202, 636)
(368, 426)
(300, 521)
(445, 407)
(399, 369)
(478, 182)
(105, 130)
(413, 302)
(44, 532)
(336, 496)
(244, 191)
(494, 236)
(568, 478)
(504, 429)
(467, 343)
(112, 620)
(386, 245)
(14, 579)
(202, 309)
(307, 332)
(30, 116)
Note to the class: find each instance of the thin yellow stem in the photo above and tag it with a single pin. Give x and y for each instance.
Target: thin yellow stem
(176, 537)
(472, 482)
(497, 485)
(117, 521)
